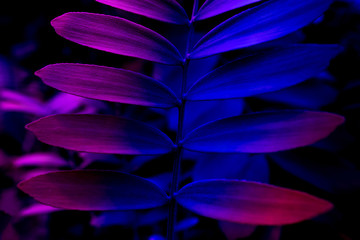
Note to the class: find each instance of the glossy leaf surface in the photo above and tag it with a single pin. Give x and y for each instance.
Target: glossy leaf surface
(265, 72)
(116, 35)
(110, 84)
(263, 132)
(269, 21)
(100, 134)
(215, 7)
(92, 190)
(250, 202)
(166, 11)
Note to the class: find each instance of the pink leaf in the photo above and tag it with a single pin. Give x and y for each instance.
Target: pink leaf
(166, 11)
(116, 35)
(110, 84)
(92, 190)
(100, 134)
(250, 202)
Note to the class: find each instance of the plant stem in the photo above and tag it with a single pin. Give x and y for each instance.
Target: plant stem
(179, 137)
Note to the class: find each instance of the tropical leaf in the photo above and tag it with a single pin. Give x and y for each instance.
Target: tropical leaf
(269, 21)
(167, 11)
(116, 35)
(100, 134)
(110, 84)
(93, 190)
(262, 132)
(250, 202)
(280, 68)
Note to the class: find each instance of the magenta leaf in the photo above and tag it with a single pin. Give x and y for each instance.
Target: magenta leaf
(250, 202)
(116, 35)
(215, 7)
(269, 21)
(100, 134)
(93, 190)
(280, 68)
(41, 159)
(38, 209)
(110, 84)
(262, 132)
(167, 11)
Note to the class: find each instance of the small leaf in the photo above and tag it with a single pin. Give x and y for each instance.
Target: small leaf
(269, 21)
(100, 134)
(93, 190)
(166, 11)
(116, 35)
(215, 7)
(264, 72)
(262, 132)
(110, 84)
(250, 202)
(38, 209)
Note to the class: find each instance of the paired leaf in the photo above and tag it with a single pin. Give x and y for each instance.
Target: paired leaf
(110, 84)
(93, 190)
(262, 132)
(215, 7)
(269, 21)
(166, 11)
(250, 202)
(100, 134)
(280, 68)
(116, 35)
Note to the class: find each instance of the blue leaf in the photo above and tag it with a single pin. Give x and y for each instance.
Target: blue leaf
(271, 20)
(215, 7)
(262, 132)
(264, 72)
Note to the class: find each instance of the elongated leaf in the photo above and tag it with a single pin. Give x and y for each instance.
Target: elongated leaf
(264, 72)
(116, 35)
(38, 209)
(271, 20)
(110, 84)
(93, 190)
(166, 11)
(215, 7)
(250, 202)
(262, 132)
(41, 159)
(100, 134)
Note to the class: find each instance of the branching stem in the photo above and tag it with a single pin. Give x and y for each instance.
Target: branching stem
(179, 137)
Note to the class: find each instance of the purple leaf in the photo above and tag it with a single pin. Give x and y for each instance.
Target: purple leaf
(92, 190)
(167, 11)
(280, 68)
(262, 132)
(38, 209)
(41, 159)
(100, 134)
(116, 35)
(269, 21)
(250, 202)
(110, 84)
(215, 7)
